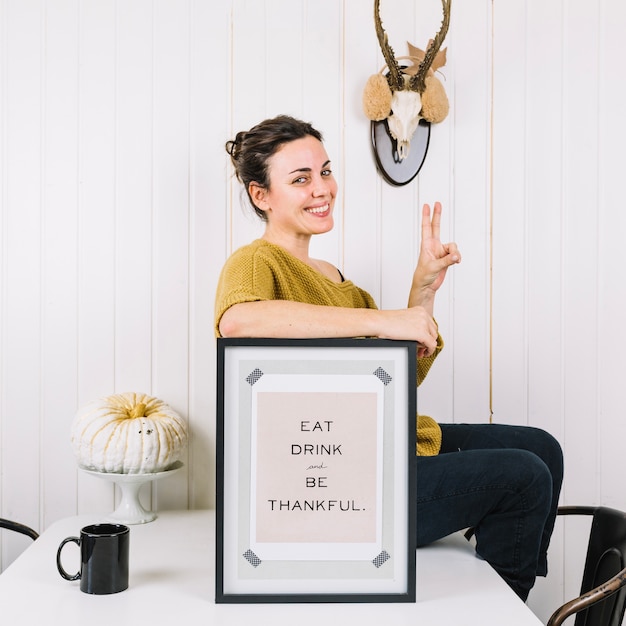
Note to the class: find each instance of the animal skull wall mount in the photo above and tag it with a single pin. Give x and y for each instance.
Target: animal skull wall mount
(404, 100)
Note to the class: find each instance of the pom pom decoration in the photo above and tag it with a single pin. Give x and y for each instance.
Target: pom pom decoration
(435, 104)
(128, 433)
(377, 98)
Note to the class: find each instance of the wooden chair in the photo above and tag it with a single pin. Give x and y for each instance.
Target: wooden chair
(19, 528)
(602, 596)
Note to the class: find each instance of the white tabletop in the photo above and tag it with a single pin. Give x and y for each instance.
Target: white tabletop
(172, 582)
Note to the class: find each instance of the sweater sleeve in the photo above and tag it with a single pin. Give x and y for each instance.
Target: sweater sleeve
(244, 278)
(424, 365)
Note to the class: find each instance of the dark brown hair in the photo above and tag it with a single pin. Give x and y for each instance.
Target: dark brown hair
(251, 150)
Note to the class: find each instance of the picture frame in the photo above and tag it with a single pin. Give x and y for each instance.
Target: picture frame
(315, 470)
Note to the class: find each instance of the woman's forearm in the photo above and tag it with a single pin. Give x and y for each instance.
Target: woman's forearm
(283, 318)
(291, 320)
(423, 296)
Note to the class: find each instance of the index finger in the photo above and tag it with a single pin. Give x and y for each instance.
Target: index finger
(427, 230)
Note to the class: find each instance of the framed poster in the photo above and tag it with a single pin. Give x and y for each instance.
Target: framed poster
(315, 470)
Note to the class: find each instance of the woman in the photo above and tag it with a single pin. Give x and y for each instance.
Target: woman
(502, 480)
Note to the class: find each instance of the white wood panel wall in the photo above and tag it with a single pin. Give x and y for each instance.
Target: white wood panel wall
(118, 208)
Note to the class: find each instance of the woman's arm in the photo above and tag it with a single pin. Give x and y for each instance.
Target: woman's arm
(289, 319)
(282, 318)
(434, 260)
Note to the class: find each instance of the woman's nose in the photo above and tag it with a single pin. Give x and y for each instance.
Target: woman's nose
(322, 186)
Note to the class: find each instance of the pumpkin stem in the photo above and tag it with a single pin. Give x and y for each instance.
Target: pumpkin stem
(139, 410)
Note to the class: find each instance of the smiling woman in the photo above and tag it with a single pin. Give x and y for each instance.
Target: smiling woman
(503, 480)
(272, 287)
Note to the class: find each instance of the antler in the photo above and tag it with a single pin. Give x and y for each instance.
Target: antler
(394, 78)
(418, 82)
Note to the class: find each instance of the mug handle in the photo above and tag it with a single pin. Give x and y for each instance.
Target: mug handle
(63, 573)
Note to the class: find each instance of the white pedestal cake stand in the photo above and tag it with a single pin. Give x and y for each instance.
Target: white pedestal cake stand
(130, 510)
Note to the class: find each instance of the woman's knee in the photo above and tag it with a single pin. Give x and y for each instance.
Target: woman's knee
(548, 449)
(535, 480)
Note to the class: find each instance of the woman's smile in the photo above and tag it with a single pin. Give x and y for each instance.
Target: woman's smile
(321, 211)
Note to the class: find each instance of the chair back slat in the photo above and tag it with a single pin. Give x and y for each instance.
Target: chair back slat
(606, 557)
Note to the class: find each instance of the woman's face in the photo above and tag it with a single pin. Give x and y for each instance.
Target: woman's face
(302, 190)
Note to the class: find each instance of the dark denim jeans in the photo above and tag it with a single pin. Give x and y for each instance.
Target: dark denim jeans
(502, 480)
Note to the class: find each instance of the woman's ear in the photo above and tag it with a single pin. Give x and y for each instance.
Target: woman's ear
(258, 194)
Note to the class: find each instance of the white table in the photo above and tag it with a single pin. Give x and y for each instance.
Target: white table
(172, 582)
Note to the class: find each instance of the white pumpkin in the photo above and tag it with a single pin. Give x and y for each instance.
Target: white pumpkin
(128, 433)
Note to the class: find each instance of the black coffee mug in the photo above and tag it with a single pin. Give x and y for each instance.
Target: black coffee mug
(103, 558)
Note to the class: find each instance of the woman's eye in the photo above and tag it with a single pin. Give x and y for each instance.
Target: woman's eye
(300, 179)
(327, 172)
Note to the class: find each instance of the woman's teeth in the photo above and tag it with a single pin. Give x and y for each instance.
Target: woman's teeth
(319, 209)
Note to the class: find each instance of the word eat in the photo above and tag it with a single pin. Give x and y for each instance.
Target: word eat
(305, 426)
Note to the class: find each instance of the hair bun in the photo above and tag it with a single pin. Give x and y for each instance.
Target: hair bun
(233, 147)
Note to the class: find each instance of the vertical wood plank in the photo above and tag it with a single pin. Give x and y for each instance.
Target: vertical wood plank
(134, 219)
(544, 223)
(611, 284)
(471, 94)
(96, 222)
(248, 79)
(398, 205)
(284, 21)
(321, 96)
(59, 257)
(435, 182)
(510, 216)
(580, 233)
(23, 28)
(359, 199)
(209, 184)
(134, 216)
(171, 224)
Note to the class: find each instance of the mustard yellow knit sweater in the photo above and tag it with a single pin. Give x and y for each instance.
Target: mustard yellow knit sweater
(263, 271)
